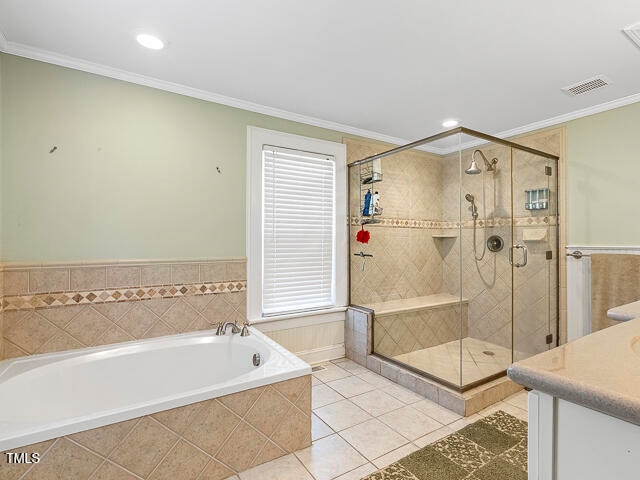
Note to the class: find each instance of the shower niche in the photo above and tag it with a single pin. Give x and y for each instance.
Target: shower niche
(463, 277)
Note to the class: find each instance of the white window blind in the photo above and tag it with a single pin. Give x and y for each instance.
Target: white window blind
(299, 238)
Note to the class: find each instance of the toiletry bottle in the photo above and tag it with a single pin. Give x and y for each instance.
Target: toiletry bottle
(375, 204)
(366, 211)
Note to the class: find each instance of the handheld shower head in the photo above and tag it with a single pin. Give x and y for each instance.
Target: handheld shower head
(474, 210)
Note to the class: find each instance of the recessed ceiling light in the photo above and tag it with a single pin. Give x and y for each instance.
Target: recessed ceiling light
(149, 41)
(450, 123)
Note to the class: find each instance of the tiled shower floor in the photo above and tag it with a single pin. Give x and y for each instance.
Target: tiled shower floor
(480, 359)
(362, 422)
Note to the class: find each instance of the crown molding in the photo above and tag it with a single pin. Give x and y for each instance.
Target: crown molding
(3, 42)
(126, 76)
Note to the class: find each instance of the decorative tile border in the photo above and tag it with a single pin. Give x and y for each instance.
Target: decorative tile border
(60, 299)
(437, 224)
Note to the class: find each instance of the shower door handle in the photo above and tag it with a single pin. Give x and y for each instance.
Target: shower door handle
(524, 255)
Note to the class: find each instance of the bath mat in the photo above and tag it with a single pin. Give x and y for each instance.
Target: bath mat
(493, 448)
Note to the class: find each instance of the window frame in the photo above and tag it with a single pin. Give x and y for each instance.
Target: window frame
(256, 139)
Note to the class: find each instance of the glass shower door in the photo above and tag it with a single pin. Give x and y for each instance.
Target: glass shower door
(534, 253)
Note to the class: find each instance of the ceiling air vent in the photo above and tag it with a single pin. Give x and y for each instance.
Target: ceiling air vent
(587, 85)
(633, 32)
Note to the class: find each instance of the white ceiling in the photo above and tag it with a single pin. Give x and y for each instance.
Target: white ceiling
(391, 70)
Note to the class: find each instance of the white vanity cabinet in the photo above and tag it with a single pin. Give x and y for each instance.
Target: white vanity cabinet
(571, 442)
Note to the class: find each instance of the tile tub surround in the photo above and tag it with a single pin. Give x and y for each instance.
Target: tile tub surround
(116, 302)
(358, 348)
(351, 407)
(211, 440)
(598, 371)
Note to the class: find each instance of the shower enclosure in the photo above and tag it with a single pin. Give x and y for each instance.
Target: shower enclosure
(461, 263)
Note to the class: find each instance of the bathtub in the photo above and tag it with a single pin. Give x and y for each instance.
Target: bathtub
(53, 395)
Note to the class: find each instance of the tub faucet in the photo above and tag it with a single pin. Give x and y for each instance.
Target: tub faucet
(245, 330)
(222, 328)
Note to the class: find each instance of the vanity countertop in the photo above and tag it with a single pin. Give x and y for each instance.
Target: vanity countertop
(625, 312)
(600, 371)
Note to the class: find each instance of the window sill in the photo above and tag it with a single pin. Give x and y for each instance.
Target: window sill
(301, 319)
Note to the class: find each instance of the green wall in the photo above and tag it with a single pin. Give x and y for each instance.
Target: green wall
(134, 175)
(603, 186)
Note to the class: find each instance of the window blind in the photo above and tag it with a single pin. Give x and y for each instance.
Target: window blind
(298, 234)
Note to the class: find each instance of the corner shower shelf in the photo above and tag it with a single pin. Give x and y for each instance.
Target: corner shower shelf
(444, 235)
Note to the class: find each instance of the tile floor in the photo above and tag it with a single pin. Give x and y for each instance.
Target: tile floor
(443, 361)
(363, 422)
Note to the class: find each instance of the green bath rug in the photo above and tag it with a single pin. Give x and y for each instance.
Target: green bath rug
(493, 448)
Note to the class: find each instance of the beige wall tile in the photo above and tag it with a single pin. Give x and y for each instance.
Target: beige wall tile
(179, 316)
(12, 351)
(178, 419)
(183, 461)
(294, 432)
(105, 439)
(213, 272)
(241, 402)
(49, 280)
(65, 460)
(268, 411)
(236, 271)
(61, 316)
(88, 278)
(123, 277)
(61, 341)
(155, 275)
(137, 320)
(216, 471)
(111, 471)
(114, 311)
(145, 447)
(88, 326)
(185, 273)
(15, 282)
(28, 330)
(242, 448)
(211, 426)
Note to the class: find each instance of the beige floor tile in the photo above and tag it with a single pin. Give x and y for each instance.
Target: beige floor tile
(437, 412)
(330, 457)
(409, 422)
(315, 381)
(429, 438)
(377, 402)
(515, 411)
(520, 400)
(376, 380)
(341, 415)
(373, 438)
(350, 386)
(330, 372)
(464, 421)
(358, 473)
(350, 366)
(319, 429)
(395, 455)
(403, 394)
(283, 468)
(322, 395)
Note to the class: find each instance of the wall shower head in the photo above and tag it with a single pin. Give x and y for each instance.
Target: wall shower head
(473, 169)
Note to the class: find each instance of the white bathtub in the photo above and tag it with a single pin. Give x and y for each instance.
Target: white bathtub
(51, 395)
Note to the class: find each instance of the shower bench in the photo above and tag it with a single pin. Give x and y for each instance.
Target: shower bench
(405, 325)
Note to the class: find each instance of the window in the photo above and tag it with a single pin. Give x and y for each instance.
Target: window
(296, 225)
